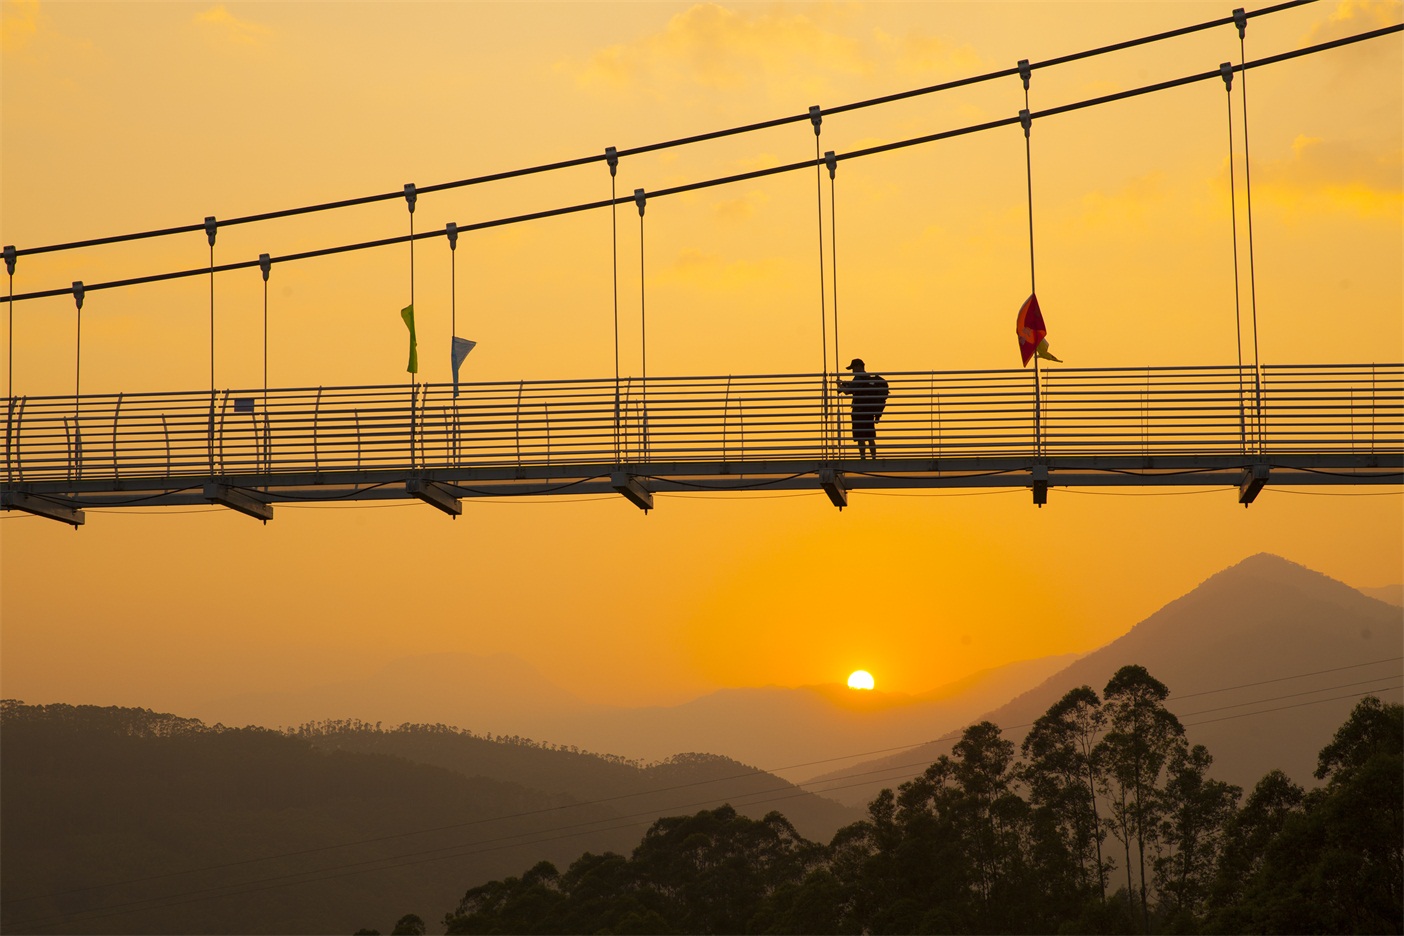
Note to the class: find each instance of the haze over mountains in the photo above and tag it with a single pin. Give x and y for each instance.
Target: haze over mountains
(770, 727)
(1264, 660)
(1263, 619)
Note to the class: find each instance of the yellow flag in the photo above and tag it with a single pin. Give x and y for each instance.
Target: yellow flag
(1043, 352)
(407, 313)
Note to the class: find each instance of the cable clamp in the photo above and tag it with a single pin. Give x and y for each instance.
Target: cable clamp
(78, 293)
(816, 117)
(410, 195)
(10, 256)
(831, 161)
(1226, 72)
(451, 230)
(1025, 72)
(612, 157)
(211, 226)
(265, 263)
(640, 199)
(1026, 121)
(1240, 19)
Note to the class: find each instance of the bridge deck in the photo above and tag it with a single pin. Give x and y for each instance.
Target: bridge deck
(1181, 425)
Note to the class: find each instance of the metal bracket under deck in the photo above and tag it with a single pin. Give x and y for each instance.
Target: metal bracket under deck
(831, 480)
(1040, 484)
(435, 496)
(632, 488)
(238, 500)
(1251, 483)
(42, 507)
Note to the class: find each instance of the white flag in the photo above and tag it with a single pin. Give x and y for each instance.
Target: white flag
(461, 347)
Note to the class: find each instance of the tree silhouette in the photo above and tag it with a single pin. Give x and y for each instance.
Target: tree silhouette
(1063, 772)
(1141, 734)
(1194, 814)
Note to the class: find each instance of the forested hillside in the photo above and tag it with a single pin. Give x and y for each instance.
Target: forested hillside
(1105, 821)
(119, 820)
(128, 821)
(680, 783)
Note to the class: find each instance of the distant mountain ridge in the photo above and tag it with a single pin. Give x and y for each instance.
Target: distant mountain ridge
(681, 783)
(504, 695)
(775, 727)
(500, 693)
(1390, 594)
(1266, 634)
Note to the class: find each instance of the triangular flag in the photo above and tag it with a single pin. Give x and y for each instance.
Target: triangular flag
(1031, 331)
(461, 347)
(407, 313)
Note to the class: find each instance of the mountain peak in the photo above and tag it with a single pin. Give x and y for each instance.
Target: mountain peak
(1263, 660)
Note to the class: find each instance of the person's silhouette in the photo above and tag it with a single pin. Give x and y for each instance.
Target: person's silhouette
(869, 392)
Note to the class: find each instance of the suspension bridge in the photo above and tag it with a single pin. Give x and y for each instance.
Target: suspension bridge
(1241, 426)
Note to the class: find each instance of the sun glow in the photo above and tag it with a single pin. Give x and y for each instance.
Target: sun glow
(860, 679)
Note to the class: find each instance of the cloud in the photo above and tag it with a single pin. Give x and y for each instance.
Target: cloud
(696, 268)
(1333, 176)
(1128, 204)
(716, 48)
(1350, 17)
(219, 21)
(19, 21)
(931, 57)
(742, 208)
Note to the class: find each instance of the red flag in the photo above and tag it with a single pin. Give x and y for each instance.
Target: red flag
(1030, 328)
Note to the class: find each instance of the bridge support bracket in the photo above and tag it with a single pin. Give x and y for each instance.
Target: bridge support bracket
(1039, 473)
(237, 500)
(1251, 483)
(435, 496)
(831, 480)
(632, 488)
(40, 507)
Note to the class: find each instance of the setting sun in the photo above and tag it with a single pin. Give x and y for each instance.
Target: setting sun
(860, 679)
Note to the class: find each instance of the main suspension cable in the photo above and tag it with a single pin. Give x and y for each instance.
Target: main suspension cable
(681, 141)
(746, 176)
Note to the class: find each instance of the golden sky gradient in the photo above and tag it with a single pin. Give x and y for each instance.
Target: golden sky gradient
(121, 117)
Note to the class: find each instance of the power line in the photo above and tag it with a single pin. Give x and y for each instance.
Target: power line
(653, 147)
(1290, 695)
(723, 180)
(1264, 682)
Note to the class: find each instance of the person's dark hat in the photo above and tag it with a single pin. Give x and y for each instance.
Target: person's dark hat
(856, 364)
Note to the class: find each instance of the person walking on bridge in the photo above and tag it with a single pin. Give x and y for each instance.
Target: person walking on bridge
(869, 392)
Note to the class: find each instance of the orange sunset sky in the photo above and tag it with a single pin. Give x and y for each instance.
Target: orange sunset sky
(124, 116)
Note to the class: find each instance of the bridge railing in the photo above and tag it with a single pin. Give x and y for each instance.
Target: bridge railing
(721, 419)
